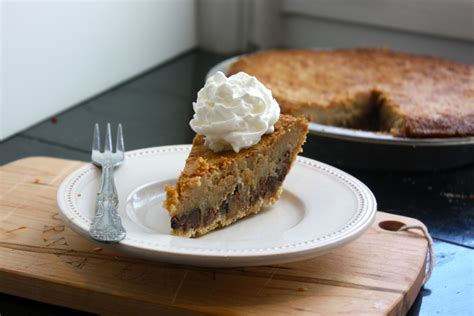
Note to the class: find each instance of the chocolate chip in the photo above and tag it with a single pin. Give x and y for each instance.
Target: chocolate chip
(285, 166)
(177, 222)
(193, 219)
(281, 173)
(186, 221)
(224, 208)
(268, 186)
(209, 216)
(271, 186)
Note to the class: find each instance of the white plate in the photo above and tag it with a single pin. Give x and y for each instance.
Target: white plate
(321, 208)
(359, 135)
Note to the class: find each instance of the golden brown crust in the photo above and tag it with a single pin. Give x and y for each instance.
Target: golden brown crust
(432, 97)
(222, 159)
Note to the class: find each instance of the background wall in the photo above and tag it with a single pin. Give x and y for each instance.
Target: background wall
(453, 18)
(337, 34)
(55, 54)
(436, 27)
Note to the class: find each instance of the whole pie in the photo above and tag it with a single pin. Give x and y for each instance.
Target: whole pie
(216, 189)
(373, 89)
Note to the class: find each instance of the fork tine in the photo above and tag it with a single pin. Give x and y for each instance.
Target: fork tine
(108, 139)
(96, 138)
(120, 146)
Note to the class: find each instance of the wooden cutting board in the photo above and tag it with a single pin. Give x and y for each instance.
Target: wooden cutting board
(42, 259)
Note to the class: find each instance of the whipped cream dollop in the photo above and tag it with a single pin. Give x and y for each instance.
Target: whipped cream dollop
(234, 112)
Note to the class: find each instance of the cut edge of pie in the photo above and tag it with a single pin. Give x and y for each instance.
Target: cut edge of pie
(364, 111)
(216, 189)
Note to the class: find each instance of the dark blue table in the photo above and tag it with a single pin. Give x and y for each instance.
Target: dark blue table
(155, 109)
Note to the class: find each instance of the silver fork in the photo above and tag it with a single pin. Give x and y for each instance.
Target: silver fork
(106, 224)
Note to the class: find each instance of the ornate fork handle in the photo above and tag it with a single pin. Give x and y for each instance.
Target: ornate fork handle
(107, 225)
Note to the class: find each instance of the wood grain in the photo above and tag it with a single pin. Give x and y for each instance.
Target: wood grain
(42, 259)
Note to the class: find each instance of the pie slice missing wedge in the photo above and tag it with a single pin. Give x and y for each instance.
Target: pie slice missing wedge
(216, 189)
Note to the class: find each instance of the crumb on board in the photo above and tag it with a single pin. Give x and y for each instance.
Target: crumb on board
(37, 181)
(302, 289)
(97, 249)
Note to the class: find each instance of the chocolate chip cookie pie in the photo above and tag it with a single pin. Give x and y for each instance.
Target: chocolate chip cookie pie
(403, 94)
(216, 189)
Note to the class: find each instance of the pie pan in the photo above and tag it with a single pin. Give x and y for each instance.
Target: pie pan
(352, 148)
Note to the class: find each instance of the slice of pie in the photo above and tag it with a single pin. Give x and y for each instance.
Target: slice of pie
(216, 189)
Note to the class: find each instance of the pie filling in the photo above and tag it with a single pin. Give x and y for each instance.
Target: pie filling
(379, 116)
(242, 201)
(366, 111)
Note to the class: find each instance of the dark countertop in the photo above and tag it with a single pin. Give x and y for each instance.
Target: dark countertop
(155, 109)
